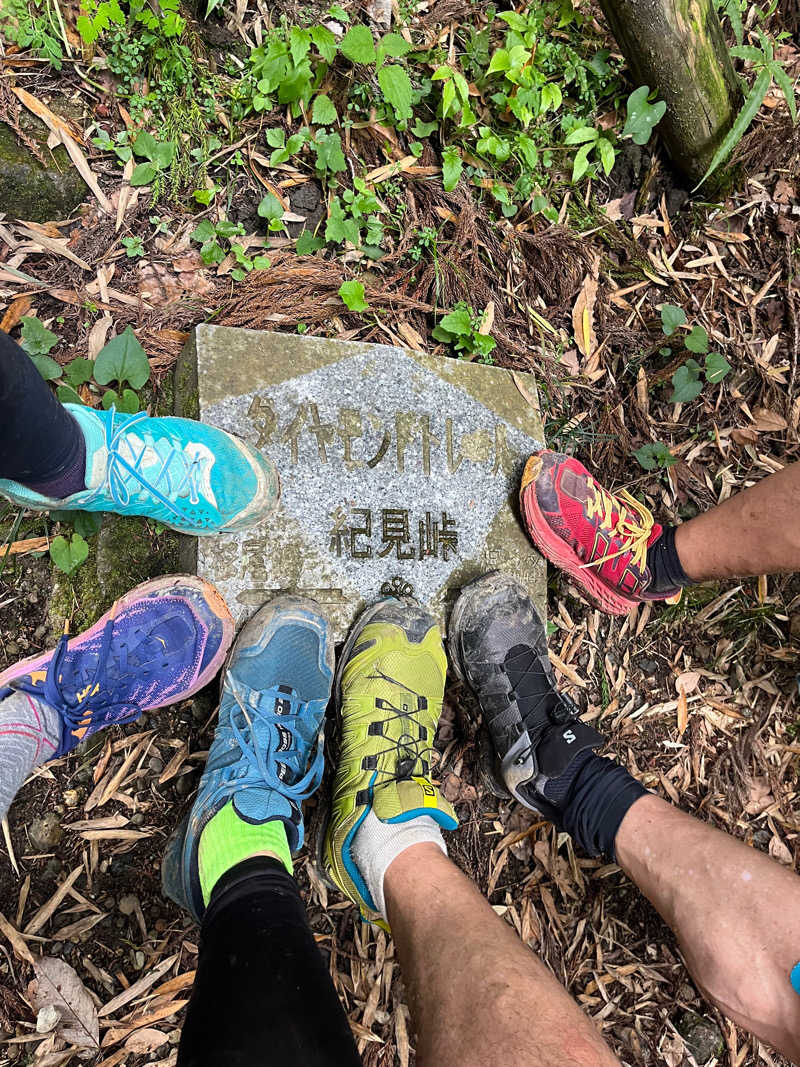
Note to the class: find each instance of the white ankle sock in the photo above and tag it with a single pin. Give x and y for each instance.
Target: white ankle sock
(377, 844)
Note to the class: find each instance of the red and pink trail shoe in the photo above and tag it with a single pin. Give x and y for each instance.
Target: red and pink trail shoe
(600, 539)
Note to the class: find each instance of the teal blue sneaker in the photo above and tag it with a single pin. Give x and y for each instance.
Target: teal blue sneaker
(191, 477)
(267, 753)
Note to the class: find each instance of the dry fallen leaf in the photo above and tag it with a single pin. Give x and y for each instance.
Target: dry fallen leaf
(779, 851)
(144, 1041)
(760, 797)
(766, 420)
(57, 985)
(583, 317)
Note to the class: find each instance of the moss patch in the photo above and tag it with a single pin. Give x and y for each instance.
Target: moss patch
(125, 552)
(30, 191)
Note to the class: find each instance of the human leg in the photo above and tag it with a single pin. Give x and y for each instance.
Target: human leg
(478, 996)
(41, 445)
(263, 993)
(734, 910)
(754, 532)
(157, 645)
(615, 551)
(190, 476)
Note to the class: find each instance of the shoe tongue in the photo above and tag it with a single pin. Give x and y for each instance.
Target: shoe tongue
(94, 435)
(407, 798)
(261, 805)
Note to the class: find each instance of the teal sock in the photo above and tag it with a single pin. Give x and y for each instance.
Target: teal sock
(227, 840)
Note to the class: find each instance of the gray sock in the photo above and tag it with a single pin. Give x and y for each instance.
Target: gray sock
(377, 844)
(30, 732)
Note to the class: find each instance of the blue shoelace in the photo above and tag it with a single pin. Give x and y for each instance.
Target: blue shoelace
(94, 706)
(120, 471)
(262, 761)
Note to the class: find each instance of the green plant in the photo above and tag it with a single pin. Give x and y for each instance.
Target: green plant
(134, 247)
(642, 116)
(37, 341)
(68, 555)
(352, 295)
(686, 381)
(654, 455)
(355, 217)
(766, 67)
(27, 25)
(461, 328)
(158, 156)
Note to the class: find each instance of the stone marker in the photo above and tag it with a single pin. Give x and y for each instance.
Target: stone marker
(399, 471)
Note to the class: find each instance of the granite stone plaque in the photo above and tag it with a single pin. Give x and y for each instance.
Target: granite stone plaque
(399, 471)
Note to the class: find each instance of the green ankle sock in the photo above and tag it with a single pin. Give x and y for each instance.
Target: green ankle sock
(227, 840)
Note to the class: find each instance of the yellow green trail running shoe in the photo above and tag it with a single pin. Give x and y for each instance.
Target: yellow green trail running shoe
(389, 689)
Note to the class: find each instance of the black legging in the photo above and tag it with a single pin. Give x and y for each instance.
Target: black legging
(39, 439)
(262, 994)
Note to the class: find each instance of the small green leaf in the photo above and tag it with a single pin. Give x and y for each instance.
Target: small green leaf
(307, 243)
(457, 322)
(392, 44)
(85, 523)
(143, 174)
(396, 88)
(696, 340)
(358, 46)
(716, 368)
(324, 112)
(204, 231)
(671, 318)
(581, 162)
(122, 360)
(581, 134)
(424, 129)
(37, 340)
(325, 43)
(47, 367)
(352, 294)
(654, 454)
(786, 86)
(127, 402)
(164, 154)
(144, 145)
(451, 168)
(67, 395)
(270, 207)
(329, 153)
(79, 371)
(66, 555)
(686, 384)
(501, 61)
(607, 154)
(642, 115)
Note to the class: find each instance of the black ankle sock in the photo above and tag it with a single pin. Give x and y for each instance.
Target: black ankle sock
(601, 793)
(72, 476)
(664, 565)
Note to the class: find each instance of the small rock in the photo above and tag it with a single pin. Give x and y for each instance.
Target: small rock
(137, 819)
(40, 631)
(138, 959)
(761, 839)
(45, 833)
(47, 1019)
(702, 1036)
(53, 868)
(56, 948)
(647, 666)
(128, 904)
(156, 764)
(185, 784)
(12, 648)
(71, 798)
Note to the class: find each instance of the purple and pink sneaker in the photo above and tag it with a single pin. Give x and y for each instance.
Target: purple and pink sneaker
(158, 644)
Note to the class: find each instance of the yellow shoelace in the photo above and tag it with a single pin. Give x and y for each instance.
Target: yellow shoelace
(633, 526)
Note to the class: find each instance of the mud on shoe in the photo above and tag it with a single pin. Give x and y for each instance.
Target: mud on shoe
(498, 646)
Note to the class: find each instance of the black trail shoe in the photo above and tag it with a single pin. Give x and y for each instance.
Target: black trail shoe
(498, 645)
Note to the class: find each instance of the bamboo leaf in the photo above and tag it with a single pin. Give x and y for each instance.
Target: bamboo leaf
(749, 111)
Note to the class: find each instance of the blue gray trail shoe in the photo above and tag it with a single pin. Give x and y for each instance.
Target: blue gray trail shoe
(267, 753)
(191, 477)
